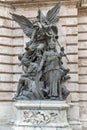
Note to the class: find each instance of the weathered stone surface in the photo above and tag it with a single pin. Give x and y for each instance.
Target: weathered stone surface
(62, 40)
(73, 58)
(71, 21)
(82, 19)
(18, 41)
(40, 128)
(62, 30)
(6, 32)
(16, 61)
(83, 88)
(82, 28)
(74, 97)
(83, 70)
(83, 107)
(5, 12)
(82, 61)
(73, 112)
(18, 50)
(5, 59)
(6, 113)
(72, 49)
(83, 79)
(8, 87)
(37, 115)
(6, 127)
(83, 96)
(17, 68)
(6, 50)
(28, 13)
(72, 11)
(73, 67)
(5, 68)
(72, 39)
(4, 96)
(74, 77)
(17, 32)
(5, 40)
(71, 30)
(5, 77)
(82, 36)
(82, 45)
(5, 22)
(73, 87)
(16, 77)
(82, 53)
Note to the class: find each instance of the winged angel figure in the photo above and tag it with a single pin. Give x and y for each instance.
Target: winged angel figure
(41, 62)
(41, 29)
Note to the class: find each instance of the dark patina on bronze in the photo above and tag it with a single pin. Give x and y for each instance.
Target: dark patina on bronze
(44, 75)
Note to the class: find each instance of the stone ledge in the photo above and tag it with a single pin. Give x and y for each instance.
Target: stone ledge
(40, 104)
(32, 3)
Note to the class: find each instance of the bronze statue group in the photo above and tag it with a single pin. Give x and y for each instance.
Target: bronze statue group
(44, 75)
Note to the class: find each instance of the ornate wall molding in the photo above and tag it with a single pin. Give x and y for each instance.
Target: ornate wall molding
(84, 3)
(32, 3)
(82, 11)
(82, 8)
(40, 117)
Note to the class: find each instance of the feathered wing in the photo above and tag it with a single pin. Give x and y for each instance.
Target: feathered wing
(52, 15)
(25, 24)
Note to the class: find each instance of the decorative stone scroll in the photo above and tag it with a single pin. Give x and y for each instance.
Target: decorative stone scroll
(40, 117)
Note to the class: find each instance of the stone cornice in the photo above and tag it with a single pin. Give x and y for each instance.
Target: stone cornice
(70, 2)
(84, 3)
(82, 8)
(82, 11)
(33, 3)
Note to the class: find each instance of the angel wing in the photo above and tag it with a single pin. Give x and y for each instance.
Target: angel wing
(25, 24)
(52, 15)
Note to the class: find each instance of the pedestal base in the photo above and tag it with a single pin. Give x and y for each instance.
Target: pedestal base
(41, 115)
(40, 128)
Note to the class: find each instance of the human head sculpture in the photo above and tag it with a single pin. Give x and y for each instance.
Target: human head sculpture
(52, 44)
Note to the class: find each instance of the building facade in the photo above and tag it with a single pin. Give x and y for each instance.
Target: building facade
(72, 27)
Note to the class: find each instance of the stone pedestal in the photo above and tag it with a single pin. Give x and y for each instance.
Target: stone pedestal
(41, 115)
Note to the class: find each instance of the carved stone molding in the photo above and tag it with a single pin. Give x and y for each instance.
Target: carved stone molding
(70, 2)
(40, 117)
(30, 3)
(49, 115)
(82, 9)
(84, 2)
